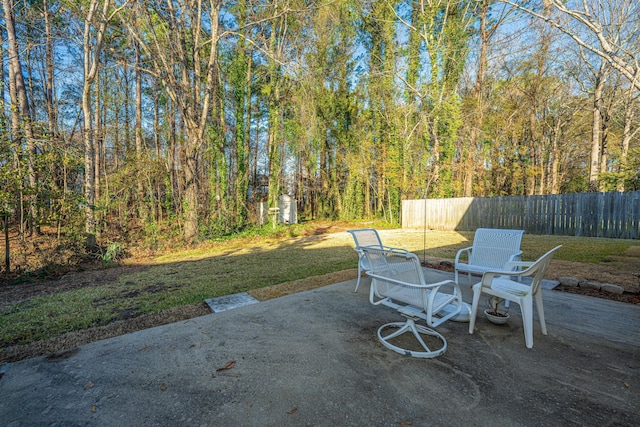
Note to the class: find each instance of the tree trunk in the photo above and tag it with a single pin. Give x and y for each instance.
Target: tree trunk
(555, 158)
(275, 164)
(247, 136)
(20, 107)
(117, 142)
(14, 135)
(596, 128)
(49, 83)
(89, 167)
(2, 79)
(627, 135)
(97, 141)
(604, 152)
(142, 209)
(191, 225)
(470, 162)
(170, 117)
(92, 46)
(127, 102)
(158, 153)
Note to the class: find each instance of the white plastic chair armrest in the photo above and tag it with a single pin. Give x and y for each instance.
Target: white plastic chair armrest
(488, 276)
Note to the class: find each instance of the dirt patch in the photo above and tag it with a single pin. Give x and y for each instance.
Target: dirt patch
(624, 272)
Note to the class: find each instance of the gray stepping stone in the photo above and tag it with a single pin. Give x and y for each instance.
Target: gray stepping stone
(229, 302)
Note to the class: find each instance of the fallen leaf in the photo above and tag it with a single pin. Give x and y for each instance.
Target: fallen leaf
(229, 365)
(163, 387)
(89, 385)
(626, 385)
(93, 408)
(293, 411)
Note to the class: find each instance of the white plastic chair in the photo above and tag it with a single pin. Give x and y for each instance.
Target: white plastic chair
(501, 285)
(368, 237)
(397, 281)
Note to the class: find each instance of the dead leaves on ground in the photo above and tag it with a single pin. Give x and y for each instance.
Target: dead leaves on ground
(221, 370)
(226, 367)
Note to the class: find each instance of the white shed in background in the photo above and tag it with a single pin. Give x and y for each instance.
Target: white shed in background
(287, 211)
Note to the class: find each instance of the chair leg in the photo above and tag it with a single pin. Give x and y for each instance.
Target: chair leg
(526, 306)
(477, 290)
(539, 306)
(359, 275)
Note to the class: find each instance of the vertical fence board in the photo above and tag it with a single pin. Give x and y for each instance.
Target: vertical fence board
(634, 212)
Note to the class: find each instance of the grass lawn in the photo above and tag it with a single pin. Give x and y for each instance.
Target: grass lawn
(187, 277)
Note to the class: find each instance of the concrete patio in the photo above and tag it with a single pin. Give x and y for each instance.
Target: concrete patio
(312, 358)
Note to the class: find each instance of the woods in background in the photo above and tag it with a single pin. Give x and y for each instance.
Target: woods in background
(183, 114)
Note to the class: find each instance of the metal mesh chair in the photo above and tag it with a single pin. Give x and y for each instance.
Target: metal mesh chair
(397, 281)
(491, 250)
(369, 238)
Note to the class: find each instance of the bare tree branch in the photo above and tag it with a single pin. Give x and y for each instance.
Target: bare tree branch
(609, 46)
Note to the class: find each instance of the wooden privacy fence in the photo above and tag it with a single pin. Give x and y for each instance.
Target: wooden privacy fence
(614, 215)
